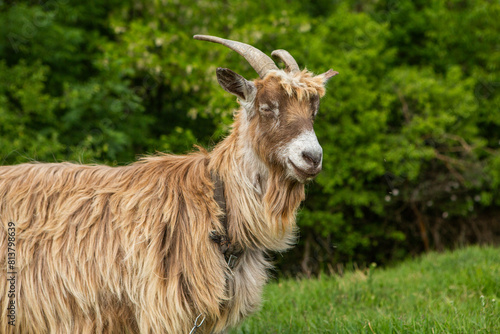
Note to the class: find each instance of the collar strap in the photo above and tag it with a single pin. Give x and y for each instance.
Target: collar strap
(220, 198)
(230, 251)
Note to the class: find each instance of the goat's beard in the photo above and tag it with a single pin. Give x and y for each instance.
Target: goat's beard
(281, 201)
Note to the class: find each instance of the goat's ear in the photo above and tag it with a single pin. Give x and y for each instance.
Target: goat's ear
(328, 75)
(235, 84)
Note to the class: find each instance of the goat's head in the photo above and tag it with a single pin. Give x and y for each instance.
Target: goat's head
(278, 109)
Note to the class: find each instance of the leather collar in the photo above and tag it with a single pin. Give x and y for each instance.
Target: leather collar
(230, 250)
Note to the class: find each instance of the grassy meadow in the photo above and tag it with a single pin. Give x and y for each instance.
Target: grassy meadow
(452, 292)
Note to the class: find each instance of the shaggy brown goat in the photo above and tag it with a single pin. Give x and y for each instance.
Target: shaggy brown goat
(148, 247)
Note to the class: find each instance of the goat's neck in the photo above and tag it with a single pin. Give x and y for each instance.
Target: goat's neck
(261, 202)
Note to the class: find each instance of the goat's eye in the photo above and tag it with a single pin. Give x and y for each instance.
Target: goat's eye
(268, 110)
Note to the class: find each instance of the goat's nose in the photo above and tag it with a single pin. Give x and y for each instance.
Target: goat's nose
(312, 158)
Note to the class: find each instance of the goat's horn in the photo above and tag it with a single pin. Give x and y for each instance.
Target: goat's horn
(261, 62)
(287, 59)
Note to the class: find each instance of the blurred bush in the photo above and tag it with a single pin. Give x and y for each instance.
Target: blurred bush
(410, 128)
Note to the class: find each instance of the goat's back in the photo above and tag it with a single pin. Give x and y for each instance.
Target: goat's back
(98, 248)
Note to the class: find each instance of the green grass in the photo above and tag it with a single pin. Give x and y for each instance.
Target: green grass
(453, 292)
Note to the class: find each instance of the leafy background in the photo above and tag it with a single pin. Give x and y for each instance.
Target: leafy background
(410, 128)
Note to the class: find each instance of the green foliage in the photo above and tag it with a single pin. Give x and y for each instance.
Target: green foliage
(410, 128)
(454, 292)
(27, 113)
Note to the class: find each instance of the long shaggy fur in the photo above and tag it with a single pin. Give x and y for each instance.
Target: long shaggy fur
(127, 249)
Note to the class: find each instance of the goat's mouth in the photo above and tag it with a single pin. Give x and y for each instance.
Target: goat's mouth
(305, 174)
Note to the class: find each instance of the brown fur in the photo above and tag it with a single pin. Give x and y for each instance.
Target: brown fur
(126, 249)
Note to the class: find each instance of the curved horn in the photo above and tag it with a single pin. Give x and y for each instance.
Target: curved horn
(287, 59)
(261, 62)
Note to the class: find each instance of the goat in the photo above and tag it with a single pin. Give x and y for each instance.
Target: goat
(149, 247)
